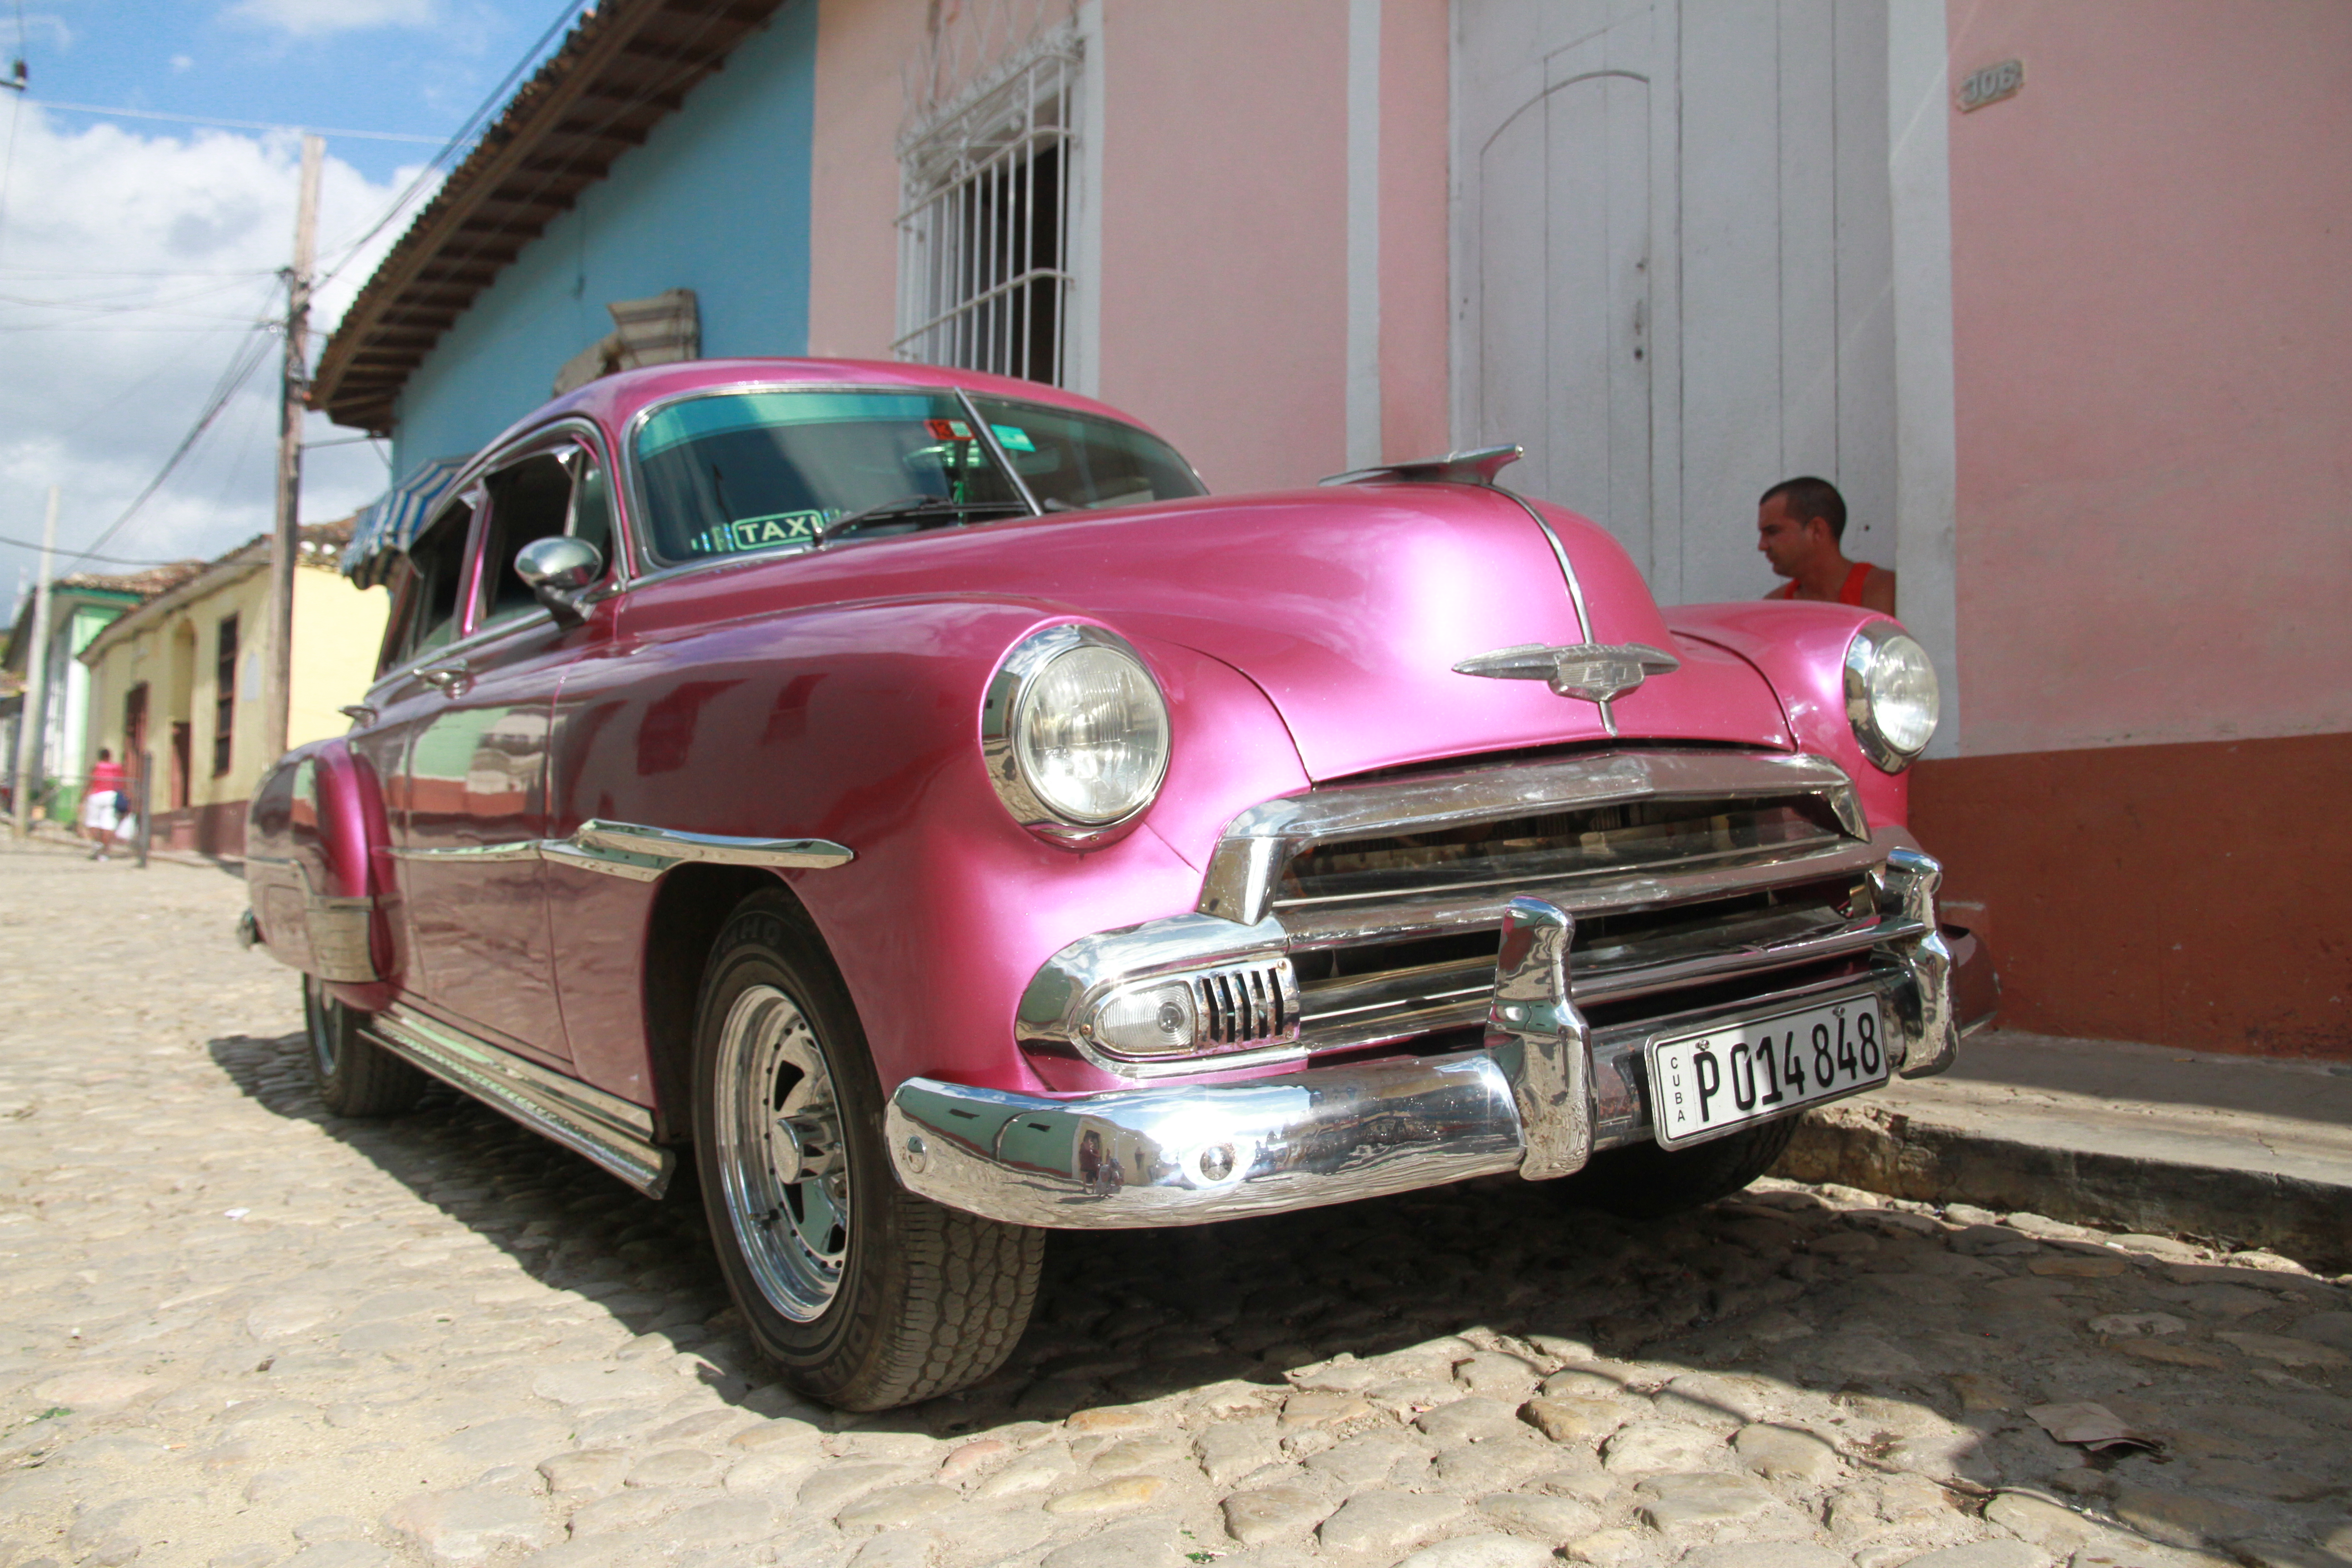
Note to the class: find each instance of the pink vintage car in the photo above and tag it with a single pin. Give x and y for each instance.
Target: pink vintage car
(908, 795)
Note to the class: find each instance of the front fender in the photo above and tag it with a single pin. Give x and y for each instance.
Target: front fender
(311, 832)
(861, 724)
(1799, 649)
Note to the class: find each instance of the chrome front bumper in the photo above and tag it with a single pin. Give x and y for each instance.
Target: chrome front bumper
(1541, 1097)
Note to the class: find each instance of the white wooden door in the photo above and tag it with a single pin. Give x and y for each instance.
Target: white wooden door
(1672, 257)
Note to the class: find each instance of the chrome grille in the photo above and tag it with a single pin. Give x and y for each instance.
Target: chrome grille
(1516, 853)
(1685, 871)
(1243, 1007)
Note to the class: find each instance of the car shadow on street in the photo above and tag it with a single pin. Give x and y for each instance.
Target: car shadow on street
(1859, 1310)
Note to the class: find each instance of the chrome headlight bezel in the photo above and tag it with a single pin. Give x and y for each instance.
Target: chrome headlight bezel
(1002, 712)
(1869, 647)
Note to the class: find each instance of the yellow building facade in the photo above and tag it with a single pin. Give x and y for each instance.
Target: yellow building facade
(178, 682)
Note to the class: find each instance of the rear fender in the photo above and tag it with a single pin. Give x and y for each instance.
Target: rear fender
(317, 885)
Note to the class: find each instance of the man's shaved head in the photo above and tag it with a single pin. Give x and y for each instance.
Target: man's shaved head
(1809, 499)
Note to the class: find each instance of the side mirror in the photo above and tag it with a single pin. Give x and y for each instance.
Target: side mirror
(558, 569)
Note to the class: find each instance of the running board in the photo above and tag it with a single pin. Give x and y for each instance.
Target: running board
(606, 1130)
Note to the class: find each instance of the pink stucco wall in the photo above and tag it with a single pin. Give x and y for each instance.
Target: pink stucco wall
(2153, 371)
(1224, 241)
(853, 184)
(1225, 232)
(1416, 69)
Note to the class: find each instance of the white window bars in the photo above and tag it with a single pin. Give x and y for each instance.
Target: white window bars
(983, 242)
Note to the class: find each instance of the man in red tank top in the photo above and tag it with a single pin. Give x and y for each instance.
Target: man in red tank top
(1801, 527)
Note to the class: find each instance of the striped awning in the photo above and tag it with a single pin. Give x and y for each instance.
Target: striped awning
(389, 526)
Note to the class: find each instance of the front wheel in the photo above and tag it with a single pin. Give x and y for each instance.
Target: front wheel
(1645, 1181)
(355, 1076)
(867, 1296)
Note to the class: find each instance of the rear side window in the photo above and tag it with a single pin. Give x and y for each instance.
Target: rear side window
(437, 571)
(530, 501)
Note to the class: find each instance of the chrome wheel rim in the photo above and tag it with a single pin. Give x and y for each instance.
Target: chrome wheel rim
(783, 1170)
(317, 1017)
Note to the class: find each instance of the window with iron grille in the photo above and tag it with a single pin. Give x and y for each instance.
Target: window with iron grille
(225, 696)
(984, 258)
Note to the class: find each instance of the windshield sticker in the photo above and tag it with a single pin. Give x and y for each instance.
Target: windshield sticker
(947, 429)
(757, 532)
(1013, 438)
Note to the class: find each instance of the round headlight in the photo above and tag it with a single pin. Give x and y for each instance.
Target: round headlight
(1074, 732)
(1891, 695)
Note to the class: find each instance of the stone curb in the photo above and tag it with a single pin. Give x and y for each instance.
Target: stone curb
(1904, 1156)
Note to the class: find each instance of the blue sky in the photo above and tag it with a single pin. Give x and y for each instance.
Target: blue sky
(139, 257)
(407, 67)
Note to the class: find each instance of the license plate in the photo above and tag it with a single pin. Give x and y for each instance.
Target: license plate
(1746, 1069)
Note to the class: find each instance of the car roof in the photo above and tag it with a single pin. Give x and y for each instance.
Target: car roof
(614, 400)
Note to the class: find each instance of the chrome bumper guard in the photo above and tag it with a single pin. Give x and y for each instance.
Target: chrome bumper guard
(1543, 1094)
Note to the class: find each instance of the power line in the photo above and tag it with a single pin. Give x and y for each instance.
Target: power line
(613, 113)
(108, 560)
(239, 370)
(235, 124)
(459, 141)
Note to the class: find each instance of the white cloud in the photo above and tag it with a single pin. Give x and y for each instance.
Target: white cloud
(49, 26)
(312, 18)
(131, 270)
(182, 63)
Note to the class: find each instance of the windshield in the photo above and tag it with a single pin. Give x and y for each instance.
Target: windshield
(1072, 460)
(759, 470)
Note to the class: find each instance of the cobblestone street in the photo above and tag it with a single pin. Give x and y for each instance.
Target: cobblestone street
(237, 1331)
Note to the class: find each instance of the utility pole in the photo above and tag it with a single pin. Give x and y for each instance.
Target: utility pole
(32, 712)
(285, 544)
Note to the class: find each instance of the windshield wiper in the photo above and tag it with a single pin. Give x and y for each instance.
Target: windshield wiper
(918, 506)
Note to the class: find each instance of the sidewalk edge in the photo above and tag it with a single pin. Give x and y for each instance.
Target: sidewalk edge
(1904, 1156)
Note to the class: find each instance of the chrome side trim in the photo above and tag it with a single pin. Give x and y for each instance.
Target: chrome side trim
(1248, 860)
(641, 854)
(471, 854)
(1166, 1156)
(664, 843)
(1540, 1041)
(606, 1130)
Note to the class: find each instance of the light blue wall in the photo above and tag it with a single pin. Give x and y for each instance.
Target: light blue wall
(716, 201)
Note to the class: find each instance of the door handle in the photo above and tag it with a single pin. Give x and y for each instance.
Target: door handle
(448, 680)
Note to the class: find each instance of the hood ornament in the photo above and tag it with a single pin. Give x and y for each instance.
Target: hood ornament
(1599, 673)
(1478, 467)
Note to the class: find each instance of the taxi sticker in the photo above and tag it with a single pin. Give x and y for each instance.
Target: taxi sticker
(754, 533)
(947, 429)
(1013, 438)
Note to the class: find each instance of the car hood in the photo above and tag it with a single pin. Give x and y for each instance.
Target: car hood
(1348, 606)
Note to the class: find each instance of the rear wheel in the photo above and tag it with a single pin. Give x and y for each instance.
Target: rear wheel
(1645, 1181)
(356, 1077)
(867, 1296)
